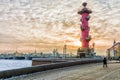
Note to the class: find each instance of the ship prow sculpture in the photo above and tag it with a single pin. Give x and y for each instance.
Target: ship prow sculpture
(85, 50)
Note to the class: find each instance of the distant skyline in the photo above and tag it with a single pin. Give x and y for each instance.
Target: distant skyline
(26, 25)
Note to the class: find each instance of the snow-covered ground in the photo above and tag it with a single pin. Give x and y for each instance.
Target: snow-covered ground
(81, 72)
(14, 64)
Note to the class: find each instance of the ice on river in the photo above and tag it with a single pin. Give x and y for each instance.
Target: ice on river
(14, 64)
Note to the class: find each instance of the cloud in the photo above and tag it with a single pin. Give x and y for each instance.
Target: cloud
(47, 23)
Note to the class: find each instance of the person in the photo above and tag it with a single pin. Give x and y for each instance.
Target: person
(119, 58)
(104, 62)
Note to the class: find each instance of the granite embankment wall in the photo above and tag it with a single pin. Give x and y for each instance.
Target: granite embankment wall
(33, 69)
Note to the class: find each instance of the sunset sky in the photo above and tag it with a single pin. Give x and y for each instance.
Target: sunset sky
(26, 25)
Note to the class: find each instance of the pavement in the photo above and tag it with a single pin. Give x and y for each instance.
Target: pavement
(81, 72)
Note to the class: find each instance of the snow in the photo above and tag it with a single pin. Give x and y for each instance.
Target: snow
(14, 64)
(80, 72)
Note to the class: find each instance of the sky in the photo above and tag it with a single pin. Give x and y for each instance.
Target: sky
(26, 25)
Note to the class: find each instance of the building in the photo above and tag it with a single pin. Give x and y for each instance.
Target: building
(114, 51)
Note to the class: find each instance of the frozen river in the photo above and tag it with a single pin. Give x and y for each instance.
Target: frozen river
(14, 64)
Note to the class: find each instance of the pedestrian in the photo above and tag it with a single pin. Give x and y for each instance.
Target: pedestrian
(119, 58)
(104, 62)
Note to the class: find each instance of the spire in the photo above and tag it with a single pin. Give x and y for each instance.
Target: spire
(114, 42)
(64, 51)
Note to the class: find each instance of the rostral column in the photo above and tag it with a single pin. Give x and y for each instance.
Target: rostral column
(85, 37)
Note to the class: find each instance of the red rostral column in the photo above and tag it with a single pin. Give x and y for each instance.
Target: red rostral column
(84, 26)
